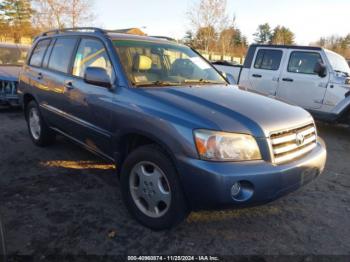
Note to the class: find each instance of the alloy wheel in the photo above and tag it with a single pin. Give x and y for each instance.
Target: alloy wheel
(34, 123)
(150, 189)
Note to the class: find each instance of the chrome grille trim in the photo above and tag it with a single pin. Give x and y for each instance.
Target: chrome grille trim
(292, 143)
(290, 147)
(291, 137)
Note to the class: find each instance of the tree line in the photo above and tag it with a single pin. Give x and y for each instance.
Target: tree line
(280, 35)
(339, 44)
(26, 18)
(212, 28)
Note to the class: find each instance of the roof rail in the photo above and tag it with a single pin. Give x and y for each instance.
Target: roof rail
(164, 38)
(74, 29)
(113, 31)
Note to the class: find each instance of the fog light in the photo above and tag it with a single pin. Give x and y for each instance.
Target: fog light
(236, 189)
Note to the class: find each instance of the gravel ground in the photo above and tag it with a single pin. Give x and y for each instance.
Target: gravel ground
(64, 200)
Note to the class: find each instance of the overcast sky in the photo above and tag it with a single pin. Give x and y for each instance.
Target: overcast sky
(308, 19)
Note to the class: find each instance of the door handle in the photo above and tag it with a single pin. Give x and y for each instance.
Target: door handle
(257, 76)
(287, 79)
(68, 85)
(40, 76)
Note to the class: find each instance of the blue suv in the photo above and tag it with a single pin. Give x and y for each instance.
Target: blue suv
(181, 136)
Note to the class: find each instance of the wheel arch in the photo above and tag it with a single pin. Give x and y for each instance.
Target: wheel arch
(344, 116)
(128, 142)
(27, 98)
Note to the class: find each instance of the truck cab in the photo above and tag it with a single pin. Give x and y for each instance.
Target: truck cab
(314, 78)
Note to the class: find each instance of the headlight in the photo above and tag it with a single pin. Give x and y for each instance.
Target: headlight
(222, 146)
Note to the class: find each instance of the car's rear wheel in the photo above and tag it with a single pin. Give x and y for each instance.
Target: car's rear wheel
(151, 188)
(39, 132)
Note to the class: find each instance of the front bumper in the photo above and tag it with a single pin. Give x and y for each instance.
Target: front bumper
(12, 100)
(207, 185)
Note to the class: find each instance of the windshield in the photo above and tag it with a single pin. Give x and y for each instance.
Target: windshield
(164, 64)
(12, 55)
(338, 62)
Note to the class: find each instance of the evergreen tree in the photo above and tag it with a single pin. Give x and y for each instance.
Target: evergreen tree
(282, 36)
(188, 39)
(239, 40)
(16, 15)
(263, 34)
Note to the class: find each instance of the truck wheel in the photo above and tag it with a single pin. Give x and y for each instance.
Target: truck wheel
(151, 188)
(39, 132)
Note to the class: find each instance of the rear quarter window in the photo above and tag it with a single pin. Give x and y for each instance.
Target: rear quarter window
(61, 55)
(268, 59)
(39, 52)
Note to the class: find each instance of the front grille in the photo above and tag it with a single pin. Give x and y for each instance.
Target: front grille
(293, 143)
(8, 88)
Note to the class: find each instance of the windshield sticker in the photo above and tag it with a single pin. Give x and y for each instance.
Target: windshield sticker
(200, 63)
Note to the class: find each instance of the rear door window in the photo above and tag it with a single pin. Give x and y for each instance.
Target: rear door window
(268, 59)
(62, 54)
(303, 62)
(47, 54)
(39, 52)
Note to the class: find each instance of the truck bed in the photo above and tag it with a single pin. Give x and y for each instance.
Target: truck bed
(227, 68)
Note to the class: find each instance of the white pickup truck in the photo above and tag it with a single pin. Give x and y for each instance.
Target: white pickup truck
(314, 78)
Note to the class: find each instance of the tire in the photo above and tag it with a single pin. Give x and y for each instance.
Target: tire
(348, 118)
(2, 240)
(149, 164)
(39, 131)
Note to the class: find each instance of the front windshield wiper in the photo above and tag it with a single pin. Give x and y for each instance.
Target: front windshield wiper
(156, 83)
(169, 83)
(202, 81)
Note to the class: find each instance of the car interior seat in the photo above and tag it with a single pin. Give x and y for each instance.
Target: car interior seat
(141, 69)
(182, 67)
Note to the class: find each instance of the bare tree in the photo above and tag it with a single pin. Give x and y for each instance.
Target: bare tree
(227, 35)
(208, 14)
(206, 38)
(62, 13)
(79, 12)
(50, 13)
(336, 43)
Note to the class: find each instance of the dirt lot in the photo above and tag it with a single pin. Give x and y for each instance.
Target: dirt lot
(63, 200)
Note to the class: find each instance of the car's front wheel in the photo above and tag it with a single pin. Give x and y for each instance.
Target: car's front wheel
(151, 188)
(39, 132)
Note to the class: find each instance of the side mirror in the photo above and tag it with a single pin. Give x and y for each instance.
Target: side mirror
(320, 69)
(97, 76)
(229, 78)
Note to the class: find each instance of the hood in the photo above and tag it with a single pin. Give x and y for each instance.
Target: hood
(9, 73)
(229, 109)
